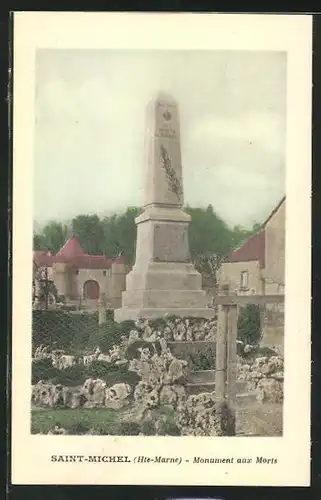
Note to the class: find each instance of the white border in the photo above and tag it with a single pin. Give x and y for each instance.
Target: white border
(30, 453)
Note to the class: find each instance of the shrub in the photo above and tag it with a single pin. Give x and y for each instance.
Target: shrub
(249, 324)
(122, 374)
(108, 334)
(61, 329)
(202, 361)
(72, 376)
(77, 374)
(42, 369)
(77, 331)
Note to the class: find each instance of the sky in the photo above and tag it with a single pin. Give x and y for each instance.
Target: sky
(90, 122)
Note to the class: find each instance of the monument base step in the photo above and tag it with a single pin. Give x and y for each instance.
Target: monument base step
(127, 313)
(161, 299)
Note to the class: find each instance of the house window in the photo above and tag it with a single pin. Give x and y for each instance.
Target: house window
(244, 279)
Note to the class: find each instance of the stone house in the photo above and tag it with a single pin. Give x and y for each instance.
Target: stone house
(257, 267)
(81, 277)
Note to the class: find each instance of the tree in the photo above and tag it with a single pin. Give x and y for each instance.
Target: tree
(249, 324)
(90, 232)
(43, 289)
(208, 233)
(52, 237)
(240, 234)
(120, 234)
(210, 238)
(208, 265)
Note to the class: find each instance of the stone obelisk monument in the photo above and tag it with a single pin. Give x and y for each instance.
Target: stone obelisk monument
(163, 279)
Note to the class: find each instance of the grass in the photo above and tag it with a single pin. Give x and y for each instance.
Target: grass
(75, 421)
(251, 420)
(103, 421)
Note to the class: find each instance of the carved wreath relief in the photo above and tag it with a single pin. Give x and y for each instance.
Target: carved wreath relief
(172, 179)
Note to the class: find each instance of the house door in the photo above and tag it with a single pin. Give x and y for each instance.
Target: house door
(91, 290)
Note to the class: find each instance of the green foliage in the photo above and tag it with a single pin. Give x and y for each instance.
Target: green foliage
(76, 332)
(115, 234)
(52, 237)
(89, 230)
(240, 234)
(77, 374)
(42, 369)
(249, 324)
(103, 421)
(127, 428)
(203, 360)
(120, 234)
(75, 421)
(148, 428)
(208, 233)
(71, 376)
(62, 330)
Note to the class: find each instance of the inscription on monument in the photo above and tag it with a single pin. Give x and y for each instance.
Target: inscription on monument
(166, 133)
(171, 243)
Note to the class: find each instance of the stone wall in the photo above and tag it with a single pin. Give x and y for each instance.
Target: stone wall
(263, 376)
(230, 274)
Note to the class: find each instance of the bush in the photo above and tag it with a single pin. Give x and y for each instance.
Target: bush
(77, 331)
(42, 369)
(72, 376)
(202, 361)
(249, 324)
(62, 330)
(77, 374)
(98, 369)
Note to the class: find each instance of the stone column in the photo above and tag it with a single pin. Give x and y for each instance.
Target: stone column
(163, 279)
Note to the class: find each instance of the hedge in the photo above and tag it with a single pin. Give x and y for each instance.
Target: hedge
(76, 332)
(76, 375)
(249, 328)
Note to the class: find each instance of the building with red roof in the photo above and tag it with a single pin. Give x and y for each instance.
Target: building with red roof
(258, 266)
(79, 276)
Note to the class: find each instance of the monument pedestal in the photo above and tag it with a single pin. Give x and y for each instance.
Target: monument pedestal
(163, 279)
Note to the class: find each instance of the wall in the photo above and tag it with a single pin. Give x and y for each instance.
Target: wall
(70, 282)
(96, 275)
(230, 273)
(274, 273)
(117, 284)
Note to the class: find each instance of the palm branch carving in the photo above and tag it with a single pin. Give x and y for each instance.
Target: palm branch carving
(172, 179)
